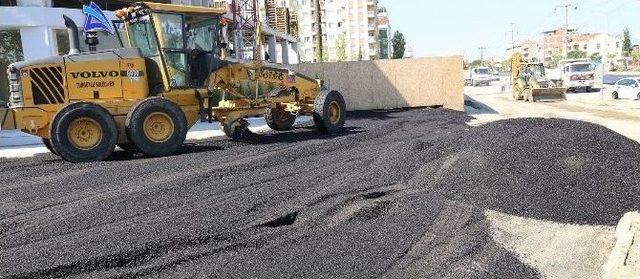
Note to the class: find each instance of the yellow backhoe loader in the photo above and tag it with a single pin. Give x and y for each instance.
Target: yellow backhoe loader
(172, 72)
(529, 82)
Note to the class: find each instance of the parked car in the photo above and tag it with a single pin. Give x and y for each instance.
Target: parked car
(627, 88)
(478, 76)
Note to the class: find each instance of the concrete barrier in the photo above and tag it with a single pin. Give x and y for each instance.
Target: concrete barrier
(391, 84)
(624, 260)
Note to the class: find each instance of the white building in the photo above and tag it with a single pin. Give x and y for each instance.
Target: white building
(32, 29)
(550, 46)
(346, 24)
(42, 28)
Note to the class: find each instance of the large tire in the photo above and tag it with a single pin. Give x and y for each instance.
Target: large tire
(157, 127)
(279, 119)
(329, 112)
(47, 144)
(83, 132)
(128, 147)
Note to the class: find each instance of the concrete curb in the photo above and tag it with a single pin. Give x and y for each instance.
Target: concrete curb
(624, 260)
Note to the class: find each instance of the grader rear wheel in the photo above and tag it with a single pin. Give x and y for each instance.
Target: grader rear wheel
(157, 127)
(128, 147)
(83, 132)
(47, 144)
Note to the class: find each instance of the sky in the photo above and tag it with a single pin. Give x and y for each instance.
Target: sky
(461, 27)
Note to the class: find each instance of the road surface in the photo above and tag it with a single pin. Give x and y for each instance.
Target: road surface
(398, 195)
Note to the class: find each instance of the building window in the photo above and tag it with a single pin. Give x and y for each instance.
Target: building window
(8, 2)
(10, 51)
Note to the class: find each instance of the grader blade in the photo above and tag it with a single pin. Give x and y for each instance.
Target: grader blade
(540, 94)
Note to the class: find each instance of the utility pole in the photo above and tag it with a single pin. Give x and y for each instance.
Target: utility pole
(513, 37)
(319, 24)
(482, 49)
(567, 5)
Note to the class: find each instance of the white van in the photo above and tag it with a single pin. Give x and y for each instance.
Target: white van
(478, 76)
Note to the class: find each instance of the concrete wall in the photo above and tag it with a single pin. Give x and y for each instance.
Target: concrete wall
(37, 24)
(390, 84)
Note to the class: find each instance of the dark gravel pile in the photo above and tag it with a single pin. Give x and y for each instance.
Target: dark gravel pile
(399, 195)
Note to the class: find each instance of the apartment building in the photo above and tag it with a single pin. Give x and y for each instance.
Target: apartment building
(550, 46)
(384, 34)
(350, 29)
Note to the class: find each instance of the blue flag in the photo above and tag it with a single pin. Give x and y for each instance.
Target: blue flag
(96, 20)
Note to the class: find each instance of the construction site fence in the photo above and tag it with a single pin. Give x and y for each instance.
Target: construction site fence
(393, 84)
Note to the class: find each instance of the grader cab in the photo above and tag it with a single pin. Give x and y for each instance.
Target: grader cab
(530, 83)
(172, 72)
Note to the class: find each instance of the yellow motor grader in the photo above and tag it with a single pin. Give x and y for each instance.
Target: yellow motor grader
(529, 82)
(172, 71)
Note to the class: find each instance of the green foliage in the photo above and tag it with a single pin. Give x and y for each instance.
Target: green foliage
(476, 63)
(325, 56)
(341, 48)
(10, 51)
(577, 54)
(399, 45)
(635, 55)
(596, 57)
(626, 42)
(506, 64)
(556, 59)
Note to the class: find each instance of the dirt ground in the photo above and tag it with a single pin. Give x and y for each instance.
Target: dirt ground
(407, 194)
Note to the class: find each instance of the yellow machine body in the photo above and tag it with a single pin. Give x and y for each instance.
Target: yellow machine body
(173, 58)
(529, 82)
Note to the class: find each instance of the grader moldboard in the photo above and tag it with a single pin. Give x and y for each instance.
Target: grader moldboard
(529, 82)
(172, 72)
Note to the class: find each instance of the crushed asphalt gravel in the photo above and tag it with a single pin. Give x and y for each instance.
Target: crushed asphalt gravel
(398, 195)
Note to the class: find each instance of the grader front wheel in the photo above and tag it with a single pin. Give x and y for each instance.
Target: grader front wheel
(329, 112)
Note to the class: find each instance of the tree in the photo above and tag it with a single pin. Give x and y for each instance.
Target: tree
(635, 55)
(10, 51)
(506, 64)
(596, 57)
(476, 63)
(399, 44)
(577, 54)
(556, 59)
(341, 48)
(324, 57)
(626, 42)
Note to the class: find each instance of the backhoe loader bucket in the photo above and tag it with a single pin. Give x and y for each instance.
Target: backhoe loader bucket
(540, 94)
